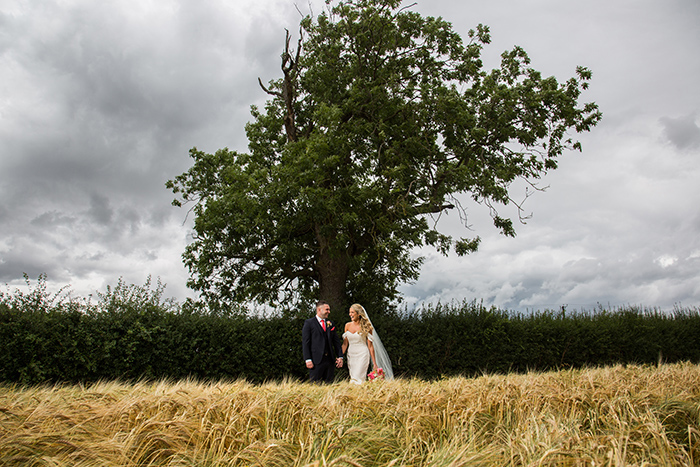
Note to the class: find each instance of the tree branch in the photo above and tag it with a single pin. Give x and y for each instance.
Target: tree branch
(289, 66)
(272, 93)
(432, 208)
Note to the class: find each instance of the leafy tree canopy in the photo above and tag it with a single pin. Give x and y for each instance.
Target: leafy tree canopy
(382, 118)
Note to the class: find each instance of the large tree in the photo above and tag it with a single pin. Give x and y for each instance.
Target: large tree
(382, 119)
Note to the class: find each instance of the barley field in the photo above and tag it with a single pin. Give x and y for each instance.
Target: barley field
(612, 416)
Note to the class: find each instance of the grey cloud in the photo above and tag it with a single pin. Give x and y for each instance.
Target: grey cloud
(107, 98)
(682, 132)
(105, 106)
(52, 219)
(24, 257)
(100, 210)
(4, 214)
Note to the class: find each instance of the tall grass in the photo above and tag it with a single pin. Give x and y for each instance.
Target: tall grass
(615, 416)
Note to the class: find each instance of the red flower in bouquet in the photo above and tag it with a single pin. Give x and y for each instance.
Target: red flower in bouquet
(376, 374)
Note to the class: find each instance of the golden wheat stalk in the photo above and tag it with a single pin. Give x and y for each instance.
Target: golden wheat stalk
(634, 415)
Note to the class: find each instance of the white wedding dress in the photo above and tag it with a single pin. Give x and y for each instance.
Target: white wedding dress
(357, 356)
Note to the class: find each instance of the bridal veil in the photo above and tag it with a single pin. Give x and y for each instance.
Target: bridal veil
(380, 353)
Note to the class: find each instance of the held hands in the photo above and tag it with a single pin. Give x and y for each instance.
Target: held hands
(338, 363)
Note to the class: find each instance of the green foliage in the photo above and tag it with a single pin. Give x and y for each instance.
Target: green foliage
(131, 333)
(382, 119)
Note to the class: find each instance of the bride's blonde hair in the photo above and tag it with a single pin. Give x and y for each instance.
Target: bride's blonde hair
(365, 326)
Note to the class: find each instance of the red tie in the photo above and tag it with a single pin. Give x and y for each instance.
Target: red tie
(323, 323)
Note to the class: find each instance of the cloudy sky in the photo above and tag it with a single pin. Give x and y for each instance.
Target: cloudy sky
(101, 101)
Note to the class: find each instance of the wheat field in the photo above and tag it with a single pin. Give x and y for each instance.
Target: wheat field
(613, 416)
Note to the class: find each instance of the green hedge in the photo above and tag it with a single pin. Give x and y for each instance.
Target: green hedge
(471, 339)
(131, 334)
(74, 346)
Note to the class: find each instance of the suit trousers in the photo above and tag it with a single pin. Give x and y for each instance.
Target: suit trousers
(324, 372)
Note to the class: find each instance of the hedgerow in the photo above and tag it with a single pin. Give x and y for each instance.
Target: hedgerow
(131, 333)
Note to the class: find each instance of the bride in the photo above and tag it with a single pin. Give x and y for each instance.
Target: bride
(360, 344)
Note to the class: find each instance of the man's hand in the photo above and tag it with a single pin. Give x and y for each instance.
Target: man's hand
(309, 364)
(339, 363)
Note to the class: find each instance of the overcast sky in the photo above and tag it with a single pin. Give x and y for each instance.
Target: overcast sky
(101, 101)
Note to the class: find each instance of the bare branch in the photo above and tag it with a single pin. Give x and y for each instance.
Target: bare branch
(289, 68)
(406, 8)
(272, 93)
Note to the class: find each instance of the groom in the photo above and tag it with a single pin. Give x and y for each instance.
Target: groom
(321, 345)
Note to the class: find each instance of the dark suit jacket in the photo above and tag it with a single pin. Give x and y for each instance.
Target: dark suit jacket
(313, 340)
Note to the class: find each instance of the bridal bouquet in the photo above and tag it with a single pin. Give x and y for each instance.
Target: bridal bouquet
(376, 374)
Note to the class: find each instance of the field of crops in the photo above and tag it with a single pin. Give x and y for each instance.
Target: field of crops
(621, 415)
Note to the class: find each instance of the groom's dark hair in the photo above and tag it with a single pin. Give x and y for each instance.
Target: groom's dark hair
(320, 303)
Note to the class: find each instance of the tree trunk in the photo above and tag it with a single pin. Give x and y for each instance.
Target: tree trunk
(332, 269)
(333, 274)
